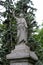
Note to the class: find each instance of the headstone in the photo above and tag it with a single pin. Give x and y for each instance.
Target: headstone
(22, 55)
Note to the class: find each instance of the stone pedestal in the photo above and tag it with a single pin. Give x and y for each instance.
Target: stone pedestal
(22, 55)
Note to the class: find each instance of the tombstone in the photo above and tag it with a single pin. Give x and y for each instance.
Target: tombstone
(22, 55)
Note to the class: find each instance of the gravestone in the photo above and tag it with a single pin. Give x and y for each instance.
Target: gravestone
(22, 55)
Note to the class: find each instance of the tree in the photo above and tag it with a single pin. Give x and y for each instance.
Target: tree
(39, 37)
(7, 30)
(26, 7)
(9, 26)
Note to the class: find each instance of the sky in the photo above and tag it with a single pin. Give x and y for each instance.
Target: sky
(38, 4)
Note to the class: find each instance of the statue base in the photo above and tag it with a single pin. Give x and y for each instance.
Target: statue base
(22, 55)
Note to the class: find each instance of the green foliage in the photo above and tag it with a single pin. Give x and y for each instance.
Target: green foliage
(39, 37)
(21, 6)
(8, 29)
(28, 11)
(33, 44)
(3, 57)
(39, 63)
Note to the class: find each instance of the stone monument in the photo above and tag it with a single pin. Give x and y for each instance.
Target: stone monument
(22, 55)
(21, 29)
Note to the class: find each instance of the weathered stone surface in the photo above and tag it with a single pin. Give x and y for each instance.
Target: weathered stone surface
(33, 55)
(22, 55)
(22, 51)
(21, 29)
(20, 63)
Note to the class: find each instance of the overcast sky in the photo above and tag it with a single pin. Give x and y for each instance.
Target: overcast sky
(39, 13)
